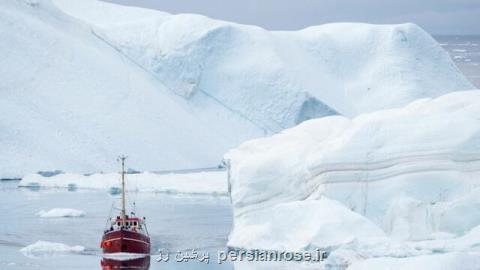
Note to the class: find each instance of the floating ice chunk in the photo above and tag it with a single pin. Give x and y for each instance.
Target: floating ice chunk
(61, 212)
(49, 173)
(46, 249)
(72, 187)
(114, 190)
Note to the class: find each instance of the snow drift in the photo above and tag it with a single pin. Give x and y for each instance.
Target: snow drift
(60, 212)
(413, 172)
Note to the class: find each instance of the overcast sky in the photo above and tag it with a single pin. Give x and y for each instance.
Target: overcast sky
(435, 16)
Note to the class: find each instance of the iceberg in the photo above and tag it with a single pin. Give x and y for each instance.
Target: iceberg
(47, 249)
(85, 81)
(410, 173)
(275, 77)
(60, 212)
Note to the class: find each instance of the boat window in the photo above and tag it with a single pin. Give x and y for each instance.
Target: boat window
(135, 223)
(118, 223)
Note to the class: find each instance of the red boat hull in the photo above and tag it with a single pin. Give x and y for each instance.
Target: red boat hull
(124, 241)
(137, 264)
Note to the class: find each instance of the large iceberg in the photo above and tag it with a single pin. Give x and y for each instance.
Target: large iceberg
(83, 81)
(407, 174)
(277, 79)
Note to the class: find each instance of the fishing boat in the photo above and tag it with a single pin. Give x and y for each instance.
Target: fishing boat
(125, 234)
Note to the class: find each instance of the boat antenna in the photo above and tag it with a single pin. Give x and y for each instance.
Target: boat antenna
(122, 213)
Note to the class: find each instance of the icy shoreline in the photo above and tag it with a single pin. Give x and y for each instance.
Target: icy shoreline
(199, 183)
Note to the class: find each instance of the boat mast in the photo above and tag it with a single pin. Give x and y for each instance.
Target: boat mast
(123, 213)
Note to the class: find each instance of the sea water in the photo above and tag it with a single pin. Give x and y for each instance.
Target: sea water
(175, 223)
(465, 52)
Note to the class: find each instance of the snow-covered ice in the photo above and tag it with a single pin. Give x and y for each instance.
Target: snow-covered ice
(207, 183)
(46, 249)
(413, 172)
(60, 212)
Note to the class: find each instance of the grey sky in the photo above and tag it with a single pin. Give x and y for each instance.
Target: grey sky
(435, 16)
